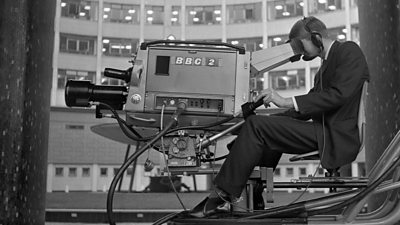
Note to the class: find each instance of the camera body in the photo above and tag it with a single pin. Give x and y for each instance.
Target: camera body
(213, 81)
(210, 79)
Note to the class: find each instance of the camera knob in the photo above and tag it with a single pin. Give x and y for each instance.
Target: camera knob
(136, 98)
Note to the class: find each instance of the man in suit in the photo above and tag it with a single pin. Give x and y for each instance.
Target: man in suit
(324, 119)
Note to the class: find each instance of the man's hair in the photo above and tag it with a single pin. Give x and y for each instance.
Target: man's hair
(303, 28)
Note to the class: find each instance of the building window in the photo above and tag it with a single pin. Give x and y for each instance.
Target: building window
(280, 9)
(115, 171)
(277, 40)
(302, 171)
(86, 172)
(277, 172)
(289, 172)
(338, 33)
(250, 44)
(129, 171)
(77, 44)
(155, 14)
(121, 13)
(321, 171)
(203, 15)
(74, 127)
(79, 9)
(65, 75)
(287, 79)
(175, 15)
(119, 47)
(322, 6)
(244, 13)
(103, 172)
(72, 172)
(282, 81)
(59, 172)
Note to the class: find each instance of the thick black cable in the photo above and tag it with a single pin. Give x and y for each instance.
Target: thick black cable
(124, 126)
(131, 159)
(167, 218)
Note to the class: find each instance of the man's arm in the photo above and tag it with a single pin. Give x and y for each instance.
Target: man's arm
(270, 95)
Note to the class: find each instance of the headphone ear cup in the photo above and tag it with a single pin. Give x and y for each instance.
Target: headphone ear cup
(316, 39)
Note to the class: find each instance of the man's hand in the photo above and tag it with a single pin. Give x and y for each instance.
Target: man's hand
(270, 95)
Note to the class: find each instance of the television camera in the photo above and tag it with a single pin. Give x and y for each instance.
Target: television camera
(207, 81)
(202, 86)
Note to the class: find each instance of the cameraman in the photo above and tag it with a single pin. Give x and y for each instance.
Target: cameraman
(332, 104)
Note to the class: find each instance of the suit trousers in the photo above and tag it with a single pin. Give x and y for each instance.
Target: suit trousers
(261, 142)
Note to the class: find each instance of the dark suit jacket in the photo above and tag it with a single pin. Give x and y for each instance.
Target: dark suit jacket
(335, 99)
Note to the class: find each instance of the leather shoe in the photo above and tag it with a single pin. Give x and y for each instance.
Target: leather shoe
(211, 205)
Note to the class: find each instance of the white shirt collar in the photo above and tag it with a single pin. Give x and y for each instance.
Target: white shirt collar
(328, 50)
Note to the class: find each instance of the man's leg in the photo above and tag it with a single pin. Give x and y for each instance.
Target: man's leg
(263, 138)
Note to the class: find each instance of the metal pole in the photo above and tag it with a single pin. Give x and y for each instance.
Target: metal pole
(134, 168)
(128, 148)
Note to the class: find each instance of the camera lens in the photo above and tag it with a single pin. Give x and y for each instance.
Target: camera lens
(80, 92)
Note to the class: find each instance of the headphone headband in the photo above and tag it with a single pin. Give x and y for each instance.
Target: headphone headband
(306, 21)
(314, 34)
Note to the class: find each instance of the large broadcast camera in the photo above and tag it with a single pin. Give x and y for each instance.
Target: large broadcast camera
(208, 82)
(202, 86)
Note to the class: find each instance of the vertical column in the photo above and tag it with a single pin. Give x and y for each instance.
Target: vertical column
(50, 175)
(223, 20)
(167, 19)
(264, 23)
(99, 42)
(308, 81)
(95, 176)
(183, 20)
(348, 22)
(380, 41)
(354, 169)
(142, 20)
(264, 18)
(26, 48)
(56, 51)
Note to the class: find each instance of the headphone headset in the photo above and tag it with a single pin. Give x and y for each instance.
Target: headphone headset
(315, 36)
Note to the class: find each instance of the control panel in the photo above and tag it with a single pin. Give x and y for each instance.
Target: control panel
(193, 104)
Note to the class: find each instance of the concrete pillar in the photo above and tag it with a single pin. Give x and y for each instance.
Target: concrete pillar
(99, 47)
(354, 169)
(50, 175)
(142, 20)
(56, 52)
(26, 46)
(380, 40)
(182, 19)
(309, 82)
(223, 20)
(95, 176)
(264, 18)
